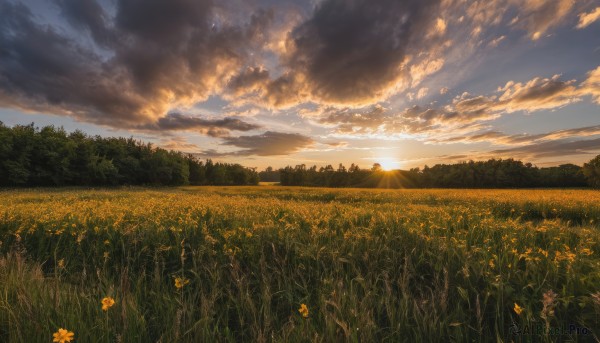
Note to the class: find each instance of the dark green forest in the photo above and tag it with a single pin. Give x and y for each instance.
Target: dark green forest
(30, 156)
(494, 173)
(49, 156)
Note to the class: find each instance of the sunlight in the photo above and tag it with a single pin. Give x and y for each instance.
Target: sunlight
(389, 164)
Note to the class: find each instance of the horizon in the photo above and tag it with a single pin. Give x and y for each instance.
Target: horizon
(282, 83)
(386, 167)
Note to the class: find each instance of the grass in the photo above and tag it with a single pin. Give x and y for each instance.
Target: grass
(370, 265)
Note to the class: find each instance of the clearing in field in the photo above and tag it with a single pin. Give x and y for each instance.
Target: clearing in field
(296, 264)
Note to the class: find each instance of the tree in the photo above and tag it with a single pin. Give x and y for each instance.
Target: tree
(591, 171)
(30, 156)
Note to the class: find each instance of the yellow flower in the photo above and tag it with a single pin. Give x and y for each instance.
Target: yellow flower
(62, 336)
(518, 309)
(180, 282)
(61, 263)
(107, 303)
(303, 310)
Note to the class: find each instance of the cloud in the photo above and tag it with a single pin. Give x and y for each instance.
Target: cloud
(347, 120)
(552, 149)
(586, 19)
(88, 15)
(252, 79)
(464, 115)
(534, 16)
(591, 86)
(537, 17)
(269, 144)
(213, 128)
(179, 144)
(153, 56)
(496, 41)
(353, 52)
(336, 144)
(537, 94)
(40, 70)
(499, 138)
(534, 95)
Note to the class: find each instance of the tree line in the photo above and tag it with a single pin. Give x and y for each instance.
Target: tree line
(30, 156)
(494, 173)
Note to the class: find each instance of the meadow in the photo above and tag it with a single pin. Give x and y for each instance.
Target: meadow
(285, 264)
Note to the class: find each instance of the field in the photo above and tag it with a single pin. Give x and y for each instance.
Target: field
(277, 264)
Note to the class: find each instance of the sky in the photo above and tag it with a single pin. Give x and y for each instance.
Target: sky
(404, 83)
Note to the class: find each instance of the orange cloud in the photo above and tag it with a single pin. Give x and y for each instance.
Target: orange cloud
(586, 19)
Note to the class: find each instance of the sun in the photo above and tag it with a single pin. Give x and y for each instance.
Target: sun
(389, 164)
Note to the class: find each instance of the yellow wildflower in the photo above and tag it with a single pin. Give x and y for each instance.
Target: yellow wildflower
(107, 303)
(180, 282)
(61, 263)
(518, 309)
(303, 310)
(63, 336)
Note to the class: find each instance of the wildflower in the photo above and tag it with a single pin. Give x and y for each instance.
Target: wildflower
(61, 263)
(107, 303)
(491, 263)
(518, 309)
(303, 310)
(62, 336)
(549, 302)
(180, 282)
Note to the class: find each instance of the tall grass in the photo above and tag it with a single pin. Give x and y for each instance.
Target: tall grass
(370, 265)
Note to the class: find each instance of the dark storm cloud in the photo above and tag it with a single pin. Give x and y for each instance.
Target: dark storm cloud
(352, 51)
(269, 143)
(158, 55)
(44, 71)
(88, 15)
(214, 128)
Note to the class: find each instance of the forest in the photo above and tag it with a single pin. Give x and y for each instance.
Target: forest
(50, 156)
(494, 173)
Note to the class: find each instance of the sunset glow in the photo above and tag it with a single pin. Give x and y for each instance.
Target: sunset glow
(389, 164)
